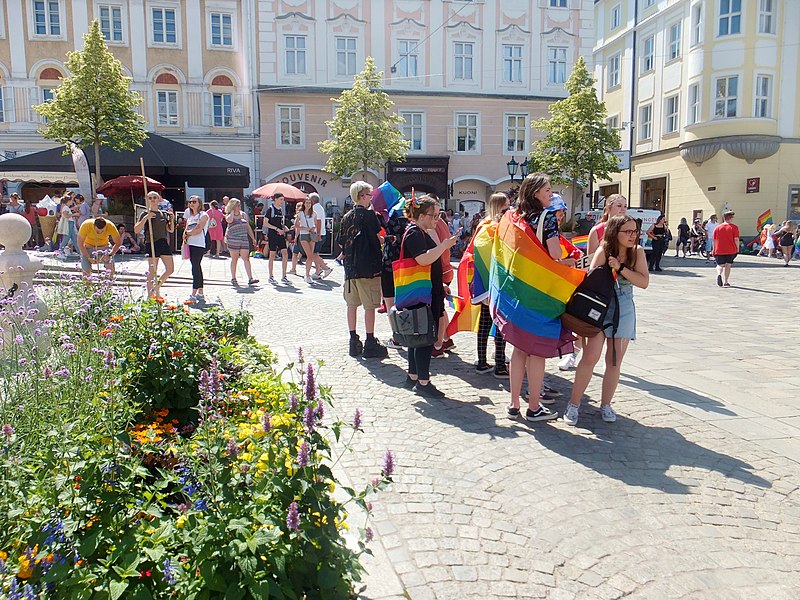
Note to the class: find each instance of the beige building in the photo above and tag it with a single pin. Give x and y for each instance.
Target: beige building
(705, 94)
(467, 77)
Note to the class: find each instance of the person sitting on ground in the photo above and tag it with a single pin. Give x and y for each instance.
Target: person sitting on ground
(129, 244)
(94, 245)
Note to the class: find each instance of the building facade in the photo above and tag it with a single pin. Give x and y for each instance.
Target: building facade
(705, 95)
(194, 62)
(468, 78)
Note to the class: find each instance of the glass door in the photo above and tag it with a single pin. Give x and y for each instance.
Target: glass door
(794, 203)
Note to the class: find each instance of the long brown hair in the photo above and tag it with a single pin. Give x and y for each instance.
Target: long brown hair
(607, 208)
(415, 208)
(611, 244)
(528, 204)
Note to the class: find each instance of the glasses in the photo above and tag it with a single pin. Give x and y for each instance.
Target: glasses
(434, 215)
(628, 231)
(193, 202)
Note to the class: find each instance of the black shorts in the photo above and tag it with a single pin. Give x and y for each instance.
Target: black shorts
(161, 247)
(387, 284)
(724, 259)
(276, 242)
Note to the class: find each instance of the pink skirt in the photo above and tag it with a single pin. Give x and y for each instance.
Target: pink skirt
(215, 233)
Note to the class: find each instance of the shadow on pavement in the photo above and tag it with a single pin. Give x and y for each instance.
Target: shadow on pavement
(673, 393)
(468, 417)
(747, 289)
(673, 272)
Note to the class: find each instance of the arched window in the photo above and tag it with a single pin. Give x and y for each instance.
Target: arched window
(224, 104)
(167, 97)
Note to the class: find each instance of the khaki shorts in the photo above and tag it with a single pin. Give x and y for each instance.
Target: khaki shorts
(364, 292)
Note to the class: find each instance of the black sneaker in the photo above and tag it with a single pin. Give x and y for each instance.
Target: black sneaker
(428, 391)
(512, 412)
(374, 349)
(356, 347)
(719, 280)
(501, 372)
(542, 414)
(484, 368)
(409, 383)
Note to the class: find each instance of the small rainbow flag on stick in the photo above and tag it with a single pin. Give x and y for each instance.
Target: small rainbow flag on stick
(764, 218)
(581, 242)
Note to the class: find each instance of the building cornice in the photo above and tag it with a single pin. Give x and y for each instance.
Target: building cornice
(749, 148)
(314, 90)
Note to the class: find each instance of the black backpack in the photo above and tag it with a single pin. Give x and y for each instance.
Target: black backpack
(587, 308)
(361, 249)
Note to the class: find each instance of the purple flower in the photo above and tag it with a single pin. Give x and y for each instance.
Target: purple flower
(266, 424)
(18, 339)
(201, 504)
(233, 448)
(300, 357)
(302, 455)
(368, 535)
(309, 418)
(293, 402)
(320, 409)
(169, 573)
(293, 517)
(388, 464)
(7, 431)
(62, 372)
(311, 388)
(88, 379)
(48, 372)
(357, 420)
(21, 362)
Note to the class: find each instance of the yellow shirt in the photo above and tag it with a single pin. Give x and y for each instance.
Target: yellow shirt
(94, 239)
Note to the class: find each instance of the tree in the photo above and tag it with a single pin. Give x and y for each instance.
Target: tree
(578, 145)
(94, 105)
(364, 130)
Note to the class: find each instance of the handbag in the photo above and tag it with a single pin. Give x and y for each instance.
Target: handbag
(185, 251)
(412, 327)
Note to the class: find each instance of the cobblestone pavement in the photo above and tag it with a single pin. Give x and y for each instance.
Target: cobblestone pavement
(693, 493)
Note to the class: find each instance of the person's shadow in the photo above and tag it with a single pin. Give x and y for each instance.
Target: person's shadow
(673, 393)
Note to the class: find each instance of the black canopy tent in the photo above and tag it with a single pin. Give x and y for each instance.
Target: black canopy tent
(170, 162)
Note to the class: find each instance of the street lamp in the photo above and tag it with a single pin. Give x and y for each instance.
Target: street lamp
(523, 168)
(512, 166)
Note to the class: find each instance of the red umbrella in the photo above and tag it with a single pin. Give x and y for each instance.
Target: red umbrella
(289, 191)
(129, 183)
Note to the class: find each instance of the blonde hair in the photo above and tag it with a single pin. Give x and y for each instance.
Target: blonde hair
(232, 203)
(357, 187)
(609, 202)
(497, 202)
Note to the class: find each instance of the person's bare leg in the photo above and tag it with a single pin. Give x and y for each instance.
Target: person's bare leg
(516, 368)
(592, 350)
(535, 369)
(611, 375)
(234, 263)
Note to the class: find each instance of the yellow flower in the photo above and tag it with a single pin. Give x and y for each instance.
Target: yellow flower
(331, 487)
(246, 456)
(181, 522)
(3, 555)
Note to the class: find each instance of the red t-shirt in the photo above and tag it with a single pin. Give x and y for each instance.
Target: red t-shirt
(725, 239)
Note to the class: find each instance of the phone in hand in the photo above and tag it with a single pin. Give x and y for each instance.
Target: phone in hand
(456, 235)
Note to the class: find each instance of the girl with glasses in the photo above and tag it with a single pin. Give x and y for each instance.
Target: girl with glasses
(194, 236)
(162, 224)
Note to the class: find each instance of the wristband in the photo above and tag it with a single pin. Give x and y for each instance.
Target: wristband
(622, 266)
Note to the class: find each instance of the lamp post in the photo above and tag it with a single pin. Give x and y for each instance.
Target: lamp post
(523, 168)
(512, 166)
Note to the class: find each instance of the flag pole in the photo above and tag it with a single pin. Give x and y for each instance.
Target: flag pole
(153, 261)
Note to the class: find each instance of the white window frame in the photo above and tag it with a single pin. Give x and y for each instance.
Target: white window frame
(512, 62)
(616, 16)
(111, 7)
(408, 57)
(648, 60)
(298, 120)
(645, 122)
(693, 104)
(766, 17)
(557, 57)
(723, 102)
(465, 59)
(517, 127)
(558, 4)
(43, 92)
(210, 20)
(291, 55)
(61, 16)
(671, 114)
(762, 104)
(612, 122)
(168, 116)
(466, 119)
(649, 3)
(223, 116)
(729, 17)
(350, 55)
(614, 68)
(411, 128)
(151, 26)
(697, 24)
(674, 41)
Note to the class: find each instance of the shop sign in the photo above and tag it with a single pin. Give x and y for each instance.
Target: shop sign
(296, 178)
(753, 185)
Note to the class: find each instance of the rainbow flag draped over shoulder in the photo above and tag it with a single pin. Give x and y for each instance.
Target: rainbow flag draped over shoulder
(529, 290)
(764, 218)
(384, 198)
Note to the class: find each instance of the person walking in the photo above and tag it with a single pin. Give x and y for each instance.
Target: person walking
(297, 249)
(726, 247)
(785, 237)
(30, 214)
(621, 251)
(66, 225)
(276, 230)
(658, 235)
(684, 234)
(322, 269)
(194, 236)
(162, 224)
(216, 232)
(308, 235)
(395, 228)
(710, 226)
(238, 237)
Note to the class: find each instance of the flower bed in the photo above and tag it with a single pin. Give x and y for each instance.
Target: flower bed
(157, 452)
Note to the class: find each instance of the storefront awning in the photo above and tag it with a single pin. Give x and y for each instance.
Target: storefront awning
(39, 177)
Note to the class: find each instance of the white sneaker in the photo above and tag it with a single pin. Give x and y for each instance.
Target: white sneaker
(608, 414)
(192, 299)
(200, 297)
(272, 281)
(570, 416)
(309, 281)
(568, 362)
(325, 272)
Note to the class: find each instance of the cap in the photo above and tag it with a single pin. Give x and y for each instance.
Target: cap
(100, 197)
(557, 203)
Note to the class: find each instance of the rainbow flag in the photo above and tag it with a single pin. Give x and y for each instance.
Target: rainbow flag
(385, 198)
(581, 242)
(529, 290)
(481, 246)
(764, 218)
(472, 275)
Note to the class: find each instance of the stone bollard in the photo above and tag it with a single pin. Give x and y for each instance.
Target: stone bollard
(21, 310)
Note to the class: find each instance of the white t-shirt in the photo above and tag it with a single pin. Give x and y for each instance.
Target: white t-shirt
(319, 214)
(199, 238)
(710, 227)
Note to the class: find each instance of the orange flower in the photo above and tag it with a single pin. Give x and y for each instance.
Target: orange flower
(171, 307)
(176, 353)
(159, 299)
(117, 319)
(106, 332)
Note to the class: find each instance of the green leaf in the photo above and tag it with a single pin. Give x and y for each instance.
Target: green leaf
(117, 588)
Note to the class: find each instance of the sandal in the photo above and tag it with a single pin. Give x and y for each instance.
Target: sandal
(252, 282)
(234, 282)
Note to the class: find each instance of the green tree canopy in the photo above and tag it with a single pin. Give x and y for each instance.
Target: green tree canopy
(577, 145)
(364, 130)
(94, 105)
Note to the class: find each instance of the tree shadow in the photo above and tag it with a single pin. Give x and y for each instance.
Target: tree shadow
(677, 394)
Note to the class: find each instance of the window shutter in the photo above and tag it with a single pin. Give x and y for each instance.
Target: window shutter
(238, 110)
(8, 105)
(35, 98)
(207, 109)
(451, 139)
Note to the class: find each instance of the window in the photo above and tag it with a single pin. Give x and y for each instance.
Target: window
(645, 122)
(671, 114)
(693, 112)
(766, 16)
(557, 70)
(463, 52)
(730, 17)
(290, 121)
(221, 30)
(295, 54)
(164, 31)
(558, 3)
(649, 3)
(674, 50)
(412, 129)
(46, 18)
(222, 105)
(512, 63)
(46, 94)
(616, 16)
(345, 56)
(111, 22)
(763, 106)
(612, 123)
(648, 54)
(516, 130)
(2, 108)
(697, 24)
(466, 132)
(726, 96)
(167, 108)
(613, 71)
(407, 65)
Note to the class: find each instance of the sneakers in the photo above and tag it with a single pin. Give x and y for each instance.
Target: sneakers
(571, 414)
(192, 299)
(200, 297)
(391, 343)
(719, 280)
(428, 391)
(308, 280)
(356, 347)
(501, 372)
(325, 272)
(272, 280)
(484, 368)
(374, 349)
(568, 362)
(437, 352)
(549, 392)
(512, 412)
(448, 344)
(285, 280)
(409, 383)
(541, 414)
(608, 414)
(547, 400)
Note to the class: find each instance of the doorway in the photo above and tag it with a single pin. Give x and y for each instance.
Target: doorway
(654, 193)
(794, 203)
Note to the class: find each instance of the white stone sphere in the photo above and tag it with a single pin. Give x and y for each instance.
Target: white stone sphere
(15, 230)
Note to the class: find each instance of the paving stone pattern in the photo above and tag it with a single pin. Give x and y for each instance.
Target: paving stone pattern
(693, 493)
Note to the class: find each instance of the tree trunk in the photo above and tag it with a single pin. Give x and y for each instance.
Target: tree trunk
(98, 179)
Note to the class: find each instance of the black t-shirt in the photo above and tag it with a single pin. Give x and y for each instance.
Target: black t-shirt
(275, 217)
(683, 230)
(361, 248)
(160, 224)
(418, 242)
